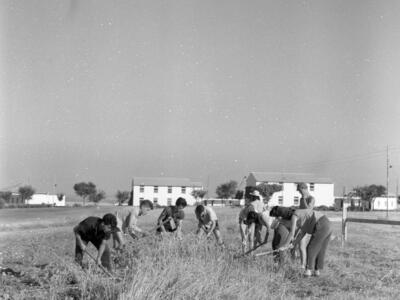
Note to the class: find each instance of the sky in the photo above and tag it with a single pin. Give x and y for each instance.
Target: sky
(104, 91)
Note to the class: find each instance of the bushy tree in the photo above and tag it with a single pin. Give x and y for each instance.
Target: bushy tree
(227, 190)
(85, 189)
(6, 196)
(122, 196)
(267, 190)
(97, 197)
(199, 194)
(26, 192)
(368, 192)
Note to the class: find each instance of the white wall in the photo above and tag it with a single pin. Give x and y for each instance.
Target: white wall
(323, 194)
(39, 199)
(163, 195)
(380, 203)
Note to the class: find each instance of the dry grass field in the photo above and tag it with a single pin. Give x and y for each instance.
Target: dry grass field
(39, 243)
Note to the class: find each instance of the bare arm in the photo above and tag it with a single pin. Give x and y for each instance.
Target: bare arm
(292, 232)
(251, 229)
(101, 251)
(210, 231)
(79, 239)
(311, 204)
(179, 229)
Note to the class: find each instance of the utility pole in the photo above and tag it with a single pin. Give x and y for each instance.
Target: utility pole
(387, 181)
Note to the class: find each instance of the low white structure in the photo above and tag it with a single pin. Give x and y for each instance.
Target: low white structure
(164, 191)
(322, 189)
(46, 199)
(381, 203)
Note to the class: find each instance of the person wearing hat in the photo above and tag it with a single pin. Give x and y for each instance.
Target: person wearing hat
(306, 202)
(170, 219)
(256, 200)
(97, 231)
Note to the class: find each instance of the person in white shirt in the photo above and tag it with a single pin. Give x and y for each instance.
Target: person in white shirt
(127, 222)
(208, 222)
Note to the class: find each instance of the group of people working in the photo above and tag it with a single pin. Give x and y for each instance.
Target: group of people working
(302, 227)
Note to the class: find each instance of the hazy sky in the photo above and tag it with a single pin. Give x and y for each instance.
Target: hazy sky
(108, 90)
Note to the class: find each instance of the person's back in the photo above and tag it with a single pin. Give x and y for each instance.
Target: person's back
(89, 229)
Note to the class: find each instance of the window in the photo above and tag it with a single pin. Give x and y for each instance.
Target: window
(296, 201)
(169, 201)
(141, 199)
(141, 189)
(170, 190)
(155, 201)
(311, 187)
(156, 189)
(280, 200)
(183, 190)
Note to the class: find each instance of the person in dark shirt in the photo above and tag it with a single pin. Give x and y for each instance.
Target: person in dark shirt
(281, 226)
(170, 220)
(97, 231)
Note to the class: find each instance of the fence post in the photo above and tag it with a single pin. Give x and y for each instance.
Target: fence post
(344, 223)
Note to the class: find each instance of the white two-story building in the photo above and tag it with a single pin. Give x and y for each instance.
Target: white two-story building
(322, 189)
(164, 191)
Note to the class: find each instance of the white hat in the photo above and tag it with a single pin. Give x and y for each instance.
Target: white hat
(256, 193)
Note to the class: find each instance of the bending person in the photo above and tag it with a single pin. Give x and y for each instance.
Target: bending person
(208, 222)
(171, 218)
(127, 222)
(306, 202)
(319, 227)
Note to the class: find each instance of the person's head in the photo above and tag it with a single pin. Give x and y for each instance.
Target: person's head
(255, 195)
(145, 206)
(180, 203)
(200, 212)
(302, 187)
(109, 223)
(281, 212)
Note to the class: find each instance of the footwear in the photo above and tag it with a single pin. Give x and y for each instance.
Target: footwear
(307, 273)
(317, 273)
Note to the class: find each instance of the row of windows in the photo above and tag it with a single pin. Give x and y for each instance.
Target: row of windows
(295, 200)
(155, 189)
(155, 201)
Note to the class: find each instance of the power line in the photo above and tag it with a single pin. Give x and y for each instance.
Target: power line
(350, 158)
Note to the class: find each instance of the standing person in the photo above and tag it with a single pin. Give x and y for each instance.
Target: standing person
(127, 222)
(170, 219)
(306, 202)
(319, 227)
(208, 222)
(97, 231)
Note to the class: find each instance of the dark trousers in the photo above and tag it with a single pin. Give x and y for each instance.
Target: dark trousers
(280, 235)
(105, 259)
(319, 241)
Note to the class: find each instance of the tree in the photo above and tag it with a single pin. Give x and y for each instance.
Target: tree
(6, 196)
(368, 192)
(267, 190)
(122, 196)
(226, 190)
(26, 192)
(199, 194)
(84, 190)
(96, 197)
